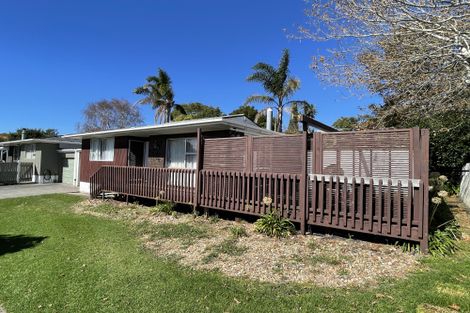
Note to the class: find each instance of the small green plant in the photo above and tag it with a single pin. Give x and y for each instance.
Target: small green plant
(443, 242)
(312, 245)
(163, 207)
(274, 225)
(343, 272)
(238, 231)
(325, 259)
(408, 246)
(213, 219)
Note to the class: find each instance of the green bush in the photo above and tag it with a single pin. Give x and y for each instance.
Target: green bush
(444, 230)
(443, 241)
(273, 225)
(163, 207)
(238, 231)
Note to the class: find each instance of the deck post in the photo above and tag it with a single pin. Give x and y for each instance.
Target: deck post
(424, 145)
(18, 172)
(303, 185)
(199, 148)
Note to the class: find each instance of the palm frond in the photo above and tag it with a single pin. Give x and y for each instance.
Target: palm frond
(265, 68)
(260, 77)
(141, 90)
(283, 67)
(259, 99)
(163, 77)
(290, 87)
(180, 109)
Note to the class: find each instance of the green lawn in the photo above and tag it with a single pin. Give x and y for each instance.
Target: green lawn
(54, 260)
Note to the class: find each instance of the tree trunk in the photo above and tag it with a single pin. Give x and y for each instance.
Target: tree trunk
(279, 120)
(168, 114)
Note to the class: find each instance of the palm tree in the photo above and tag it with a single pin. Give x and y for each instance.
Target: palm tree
(159, 94)
(278, 86)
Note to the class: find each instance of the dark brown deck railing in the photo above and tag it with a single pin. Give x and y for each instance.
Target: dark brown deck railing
(390, 208)
(394, 206)
(175, 185)
(244, 192)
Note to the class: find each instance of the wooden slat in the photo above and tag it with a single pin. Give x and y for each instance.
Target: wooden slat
(389, 206)
(361, 204)
(370, 207)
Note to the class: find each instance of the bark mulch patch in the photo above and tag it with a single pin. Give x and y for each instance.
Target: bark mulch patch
(236, 250)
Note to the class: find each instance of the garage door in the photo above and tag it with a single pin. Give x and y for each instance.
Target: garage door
(67, 171)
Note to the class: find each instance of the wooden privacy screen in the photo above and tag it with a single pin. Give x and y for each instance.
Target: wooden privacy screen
(373, 182)
(273, 154)
(228, 154)
(364, 154)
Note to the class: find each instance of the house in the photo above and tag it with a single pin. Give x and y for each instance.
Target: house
(170, 145)
(371, 182)
(39, 160)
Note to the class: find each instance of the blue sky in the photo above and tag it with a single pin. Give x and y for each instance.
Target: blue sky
(58, 56)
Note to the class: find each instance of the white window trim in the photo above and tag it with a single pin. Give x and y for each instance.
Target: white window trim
(185, 152)
(100, 156)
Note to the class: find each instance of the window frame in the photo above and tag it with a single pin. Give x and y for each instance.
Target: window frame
(98, 156)
(186, 153)
(30, 151)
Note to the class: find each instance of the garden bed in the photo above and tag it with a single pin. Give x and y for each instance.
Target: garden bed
(236, 250)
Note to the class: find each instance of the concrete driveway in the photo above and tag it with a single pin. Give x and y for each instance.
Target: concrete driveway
(24, 190)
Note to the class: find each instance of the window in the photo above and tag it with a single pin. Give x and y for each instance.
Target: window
(102, 149)
(3, 155)
(181, 153)
(30, 151)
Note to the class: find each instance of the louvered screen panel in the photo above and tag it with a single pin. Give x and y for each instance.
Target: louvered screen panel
(225, 154)
(280, 154)
(367, 154)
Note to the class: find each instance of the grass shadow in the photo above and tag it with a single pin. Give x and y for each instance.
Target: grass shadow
(16, 243)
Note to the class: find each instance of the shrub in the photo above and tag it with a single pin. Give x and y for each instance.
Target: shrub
(238, 231)
(440, 183)
(443, 241)
(273, 225)
(163, 207)
(444, 230)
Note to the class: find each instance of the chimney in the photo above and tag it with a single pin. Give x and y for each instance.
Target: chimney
(23, 134)
(269, 118)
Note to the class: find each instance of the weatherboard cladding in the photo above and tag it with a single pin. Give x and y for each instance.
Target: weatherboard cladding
(87, 167)
(157, 151)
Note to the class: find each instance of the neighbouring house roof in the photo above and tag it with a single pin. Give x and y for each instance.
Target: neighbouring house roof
(52, 140)
(316, 124)
(228, 122)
